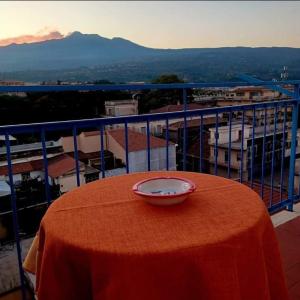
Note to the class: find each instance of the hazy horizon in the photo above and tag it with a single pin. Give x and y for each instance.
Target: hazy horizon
(164, 24)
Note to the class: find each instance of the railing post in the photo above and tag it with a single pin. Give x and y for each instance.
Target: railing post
(184, 150)
(14, 208)
(293, 148)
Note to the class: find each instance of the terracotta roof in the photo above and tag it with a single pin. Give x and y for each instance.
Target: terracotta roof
(136, 141)
(174, 107)
(267, 193)
(23, 167)
(249, 89)
(61, 165)
(195, 122)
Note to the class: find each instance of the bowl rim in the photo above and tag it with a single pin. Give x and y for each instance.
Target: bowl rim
(190, 190)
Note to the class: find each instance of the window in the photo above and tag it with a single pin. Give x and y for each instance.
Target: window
(91, 177)
(226, 156)
(240, 94)
(143, 130)
(25, 176)
(158, 129)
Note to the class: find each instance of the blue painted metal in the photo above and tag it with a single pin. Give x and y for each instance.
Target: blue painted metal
(135, 87)
(15, 215)
(126, 146)
(184, 97)
(201, 145)
(275, 87)
(148, 146)
(273, 155)
(262, 179)
(229, 146)
(167, 144)
(100, 123)
(242, 146)
(293, 147)
(252, 146)
(283, 152)
(102, 150)
(216, 144)
(45, 161)
(76, 155)
(88, 123)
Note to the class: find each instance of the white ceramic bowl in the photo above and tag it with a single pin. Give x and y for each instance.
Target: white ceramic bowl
(164, 190)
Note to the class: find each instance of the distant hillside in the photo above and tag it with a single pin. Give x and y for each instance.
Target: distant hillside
(91, 57)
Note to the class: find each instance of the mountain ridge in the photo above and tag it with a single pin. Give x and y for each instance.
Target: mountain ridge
(87, 56)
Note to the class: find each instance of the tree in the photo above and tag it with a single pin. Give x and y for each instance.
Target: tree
(167, 78)
(157, 98)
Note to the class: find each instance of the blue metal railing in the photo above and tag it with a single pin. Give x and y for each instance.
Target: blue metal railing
(212, 164)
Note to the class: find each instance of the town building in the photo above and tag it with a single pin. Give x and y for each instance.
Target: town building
(114, 142)
(12, 83)
(197, 146)
(239, 151)
(28, 152)
(117, 108)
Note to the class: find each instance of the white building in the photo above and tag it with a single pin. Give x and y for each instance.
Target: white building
(114, 141)
(117, 108)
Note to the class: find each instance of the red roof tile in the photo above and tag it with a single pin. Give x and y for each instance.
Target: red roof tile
(195, 122)
(23, 167)
(136, 141)
(275, 199)
(61, 165)
(174, 107)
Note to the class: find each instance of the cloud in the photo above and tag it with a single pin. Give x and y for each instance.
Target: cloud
(39, 37)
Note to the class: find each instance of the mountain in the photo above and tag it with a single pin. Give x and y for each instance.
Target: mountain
(90, 57)
(75, 50)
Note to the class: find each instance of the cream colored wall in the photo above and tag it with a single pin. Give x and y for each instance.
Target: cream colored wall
(121, 109)
(234, 162)
(86, 144)
(224, 134)
(67, 143)
(68, 182)
(115, 147)
(89, 144)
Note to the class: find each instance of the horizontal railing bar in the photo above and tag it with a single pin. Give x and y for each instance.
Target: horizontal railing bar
(134, 87)
(62, 125)
(278, 206)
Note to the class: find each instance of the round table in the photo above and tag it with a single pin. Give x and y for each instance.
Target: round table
(101, 241)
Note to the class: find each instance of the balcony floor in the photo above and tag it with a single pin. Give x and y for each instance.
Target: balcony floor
(288, 235)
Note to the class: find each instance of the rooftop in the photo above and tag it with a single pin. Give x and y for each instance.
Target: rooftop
(180, 107)
(29, 147)
(195, 123)
(61, 165)
(136, 141)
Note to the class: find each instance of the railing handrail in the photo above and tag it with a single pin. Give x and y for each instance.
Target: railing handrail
(54, 125)
(136, 87)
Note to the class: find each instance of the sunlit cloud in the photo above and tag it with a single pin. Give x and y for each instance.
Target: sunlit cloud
(42, 35)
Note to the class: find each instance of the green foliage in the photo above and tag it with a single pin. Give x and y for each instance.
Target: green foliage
(168, 78)
(157, 98)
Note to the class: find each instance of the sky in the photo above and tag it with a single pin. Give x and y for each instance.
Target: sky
(157, 24)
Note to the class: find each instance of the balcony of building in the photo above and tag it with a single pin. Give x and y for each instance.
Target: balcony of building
(256, 144)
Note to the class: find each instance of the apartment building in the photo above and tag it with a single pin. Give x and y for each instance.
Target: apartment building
(114, 142)
(117, 108)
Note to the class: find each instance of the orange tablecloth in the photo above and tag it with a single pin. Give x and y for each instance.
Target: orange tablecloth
(102, 242)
